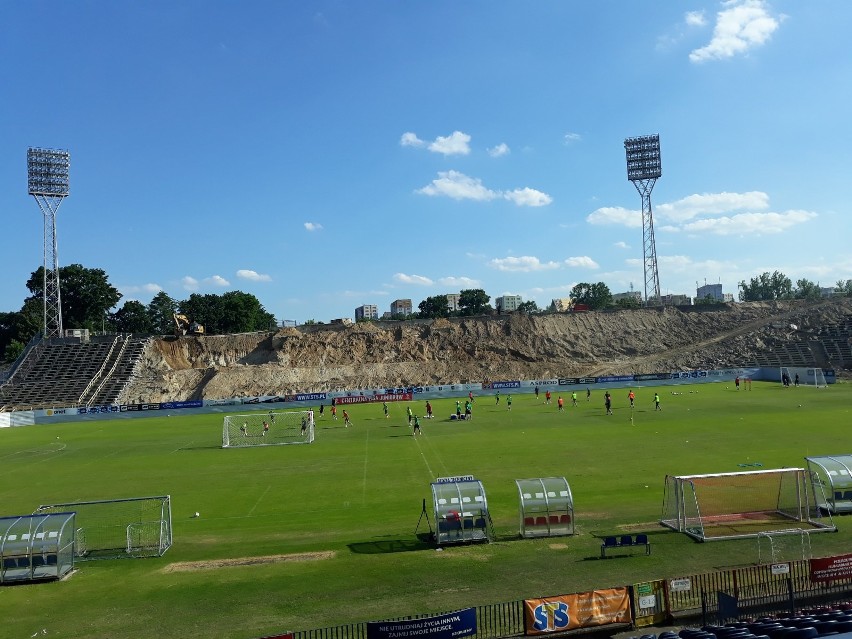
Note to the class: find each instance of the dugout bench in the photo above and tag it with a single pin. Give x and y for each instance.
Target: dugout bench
(625, 542)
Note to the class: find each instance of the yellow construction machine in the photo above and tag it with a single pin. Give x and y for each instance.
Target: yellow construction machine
(183, 326)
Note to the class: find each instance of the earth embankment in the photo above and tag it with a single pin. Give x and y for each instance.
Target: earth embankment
(422, 352)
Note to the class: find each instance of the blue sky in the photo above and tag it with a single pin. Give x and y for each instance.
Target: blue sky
(323, 155)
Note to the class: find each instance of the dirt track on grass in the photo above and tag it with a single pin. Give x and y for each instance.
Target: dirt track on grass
(214, 564)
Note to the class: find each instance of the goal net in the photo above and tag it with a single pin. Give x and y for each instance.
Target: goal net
(745, 504)
(805, 376)
(783, 545)
(268, 429)
(117, 528)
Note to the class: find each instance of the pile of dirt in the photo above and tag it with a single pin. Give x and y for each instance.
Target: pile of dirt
(471, 350)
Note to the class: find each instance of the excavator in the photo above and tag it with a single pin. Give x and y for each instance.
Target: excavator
(183, 326)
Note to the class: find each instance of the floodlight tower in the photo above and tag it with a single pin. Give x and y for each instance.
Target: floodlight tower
(47, 172)
(643, 169)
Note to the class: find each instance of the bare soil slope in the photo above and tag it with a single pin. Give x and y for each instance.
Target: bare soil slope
(421, 352)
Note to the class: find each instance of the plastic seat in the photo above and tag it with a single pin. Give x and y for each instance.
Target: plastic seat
(554, 519)
(565, 519)
(626, 540)
(529, 521)
(541, 521)
(641, 539)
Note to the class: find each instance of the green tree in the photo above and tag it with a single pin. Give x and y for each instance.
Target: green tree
(160, 311)
(528, 308)
(595, 296)
(20, 327)
(766, 286)
(434, 307)
(474, 301)
(243, 313)
(132, 318)
(207, 310)
(844, 287)
(86, 295)
(805, 289)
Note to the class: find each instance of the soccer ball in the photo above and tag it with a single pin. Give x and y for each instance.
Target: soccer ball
(198, 514)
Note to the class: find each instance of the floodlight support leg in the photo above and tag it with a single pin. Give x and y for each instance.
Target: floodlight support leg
(424, 513)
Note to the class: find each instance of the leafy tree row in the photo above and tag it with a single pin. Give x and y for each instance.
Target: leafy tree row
(777, 286)
(88, 300)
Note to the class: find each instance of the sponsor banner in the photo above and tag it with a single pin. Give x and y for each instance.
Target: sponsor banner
(286, 635)
(399, 391)
(615, 378)
(364, 399)
(651, 377)
(588, 380)
(501, 385)
(829, 374)
(649, 603)
(274, 399)
(195, 403)
(461, 623)
(307, 397)
(546, 382)
(452, 480)
(251, 400)
(130, 407)
(221, 402)
(568, 381)
(153, 406)
(94, 410)
(831, 568)
(50, 412)
(580, 610)
(780, 569)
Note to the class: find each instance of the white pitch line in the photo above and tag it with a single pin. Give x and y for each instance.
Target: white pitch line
(258, 501)
(429, 468)
(364, 481)
(182, 447)
(435, 453)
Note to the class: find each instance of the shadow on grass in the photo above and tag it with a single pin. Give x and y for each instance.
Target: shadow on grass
(422, 541)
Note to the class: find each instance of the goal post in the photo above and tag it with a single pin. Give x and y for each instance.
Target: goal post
(779, 546)
(743, 504)
(119, 528)
(807, 376)
(274, 428)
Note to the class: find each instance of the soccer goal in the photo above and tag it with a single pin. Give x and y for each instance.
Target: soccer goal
(268, 429)
(119, 528)
(783, 545)
(739, 505)
(807, 376)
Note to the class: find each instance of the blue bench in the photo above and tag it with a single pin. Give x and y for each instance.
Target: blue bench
(625, 542)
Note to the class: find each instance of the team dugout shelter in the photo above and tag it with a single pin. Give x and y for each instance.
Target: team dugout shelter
(461, 510)
(833, 475)
(36, 547)
(546, 507)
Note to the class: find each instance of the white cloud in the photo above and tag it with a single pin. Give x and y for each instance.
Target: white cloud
(740, 26)
(313, 226)
(253, 276)
(524, 264)
(150, 288)
(460, 282)
(459, 187)
(217, 280)
(189, 283)
(695, 18)
(411, 139)
(621, 245)
(711, 204)
(499, 150)
(570, 138)
(583, 261)
(750, 223)
(413, 279)
(607, 215)
(457, 143)
(462, 187)
(528, 197)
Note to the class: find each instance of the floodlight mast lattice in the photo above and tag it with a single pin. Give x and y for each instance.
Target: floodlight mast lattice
(47, 173)
(643, 169)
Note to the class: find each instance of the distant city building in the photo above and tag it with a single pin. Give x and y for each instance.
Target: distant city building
(367, 311)
(386, 315)
(727, 297)
(713, 291)
(400, 307)
(629, 295)
(342, 320)
(827, 291)
(676, 300)
(561, 304)
(508, 303)
(453, 302)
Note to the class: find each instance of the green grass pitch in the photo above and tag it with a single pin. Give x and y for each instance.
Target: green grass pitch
(341, 513)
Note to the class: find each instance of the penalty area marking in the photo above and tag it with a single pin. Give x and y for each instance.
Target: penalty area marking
(214, 564)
